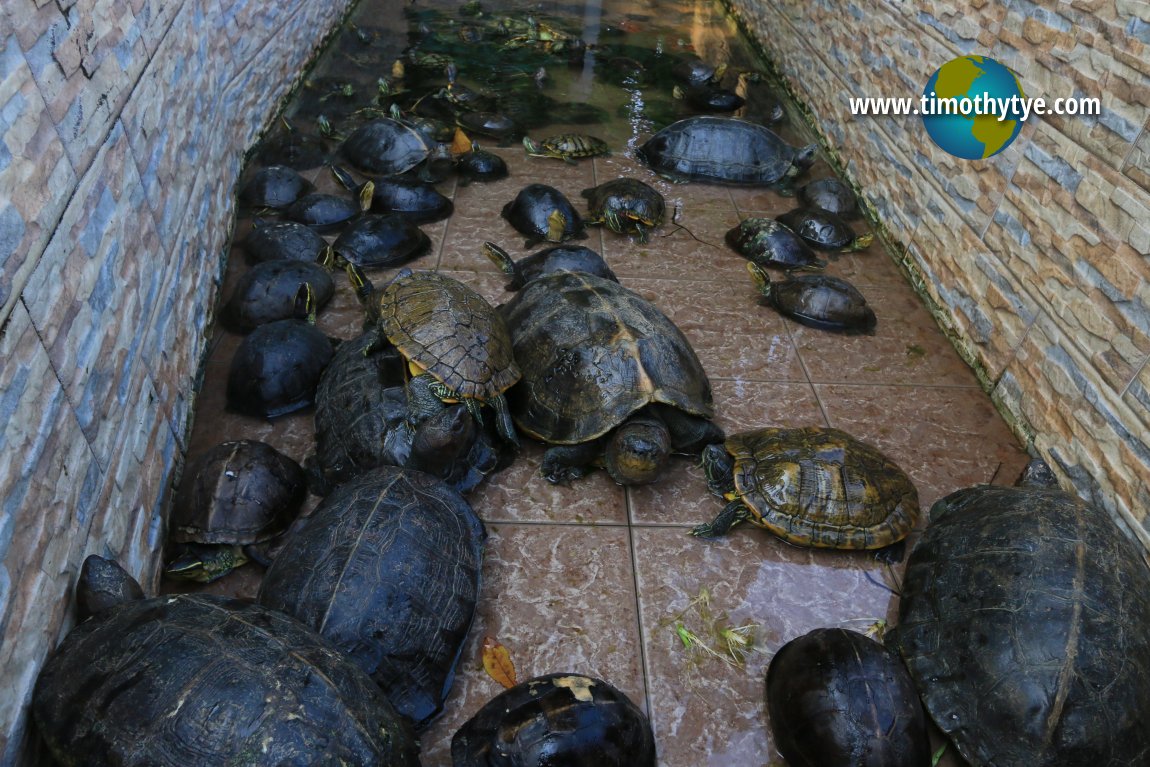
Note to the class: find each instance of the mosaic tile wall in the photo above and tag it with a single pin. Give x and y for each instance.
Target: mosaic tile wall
(123, 125)
(1036, 261)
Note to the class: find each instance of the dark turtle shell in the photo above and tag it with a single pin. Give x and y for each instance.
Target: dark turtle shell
(822, 487)
(276, 186)
(237, 493)
(711, 98)
(450, 331)
(823, 230)
(723, 150)
(323, 212)
(558, 258)
(830, 195)
(766, 242)
(378, 241)
(1022, 621)
(531, 209)
(837, 697)
(625, 206)
(689, 69)
(823, 302)
(275, 240)
(276, 369)
(593, 353)
(556, 719)
(419, 203)
(387, 568)
(480, 165)
(267, 292)
(186, 679)
(384, 147)
(493, 124)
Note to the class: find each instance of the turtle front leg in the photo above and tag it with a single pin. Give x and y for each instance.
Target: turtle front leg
(503, 423)
(563, 463)
(732, 514)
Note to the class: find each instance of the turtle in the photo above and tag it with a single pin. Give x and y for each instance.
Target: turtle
(824, 230)
(456, 345)
(479, 165)
(709, 98)
(185, 679)
(561, 718)
(542, 212)
(1021, 622)
(690, 69)
(817, 300)
(625, 206)
(375, 241)
(393, 582)
(812, 486)
(724, 150)
(237, 494)
(275, 240)
(291, 147)
(276, 186)
(559, 258)
(766, 242)
(417, 201)
(839, 697)
(267, 292)
(496, 125)
(103, 584)
(384, 147)
(324, 212)
(606, 376)
(568, 147)
(432, 129)
(829, 194)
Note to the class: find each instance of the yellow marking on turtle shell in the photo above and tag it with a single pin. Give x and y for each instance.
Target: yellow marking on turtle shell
(580, 687)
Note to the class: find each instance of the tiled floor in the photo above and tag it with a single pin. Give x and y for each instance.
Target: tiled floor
(594, 578)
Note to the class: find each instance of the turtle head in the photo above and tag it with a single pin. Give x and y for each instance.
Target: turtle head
(804, 158)
(103, 584)
(531, 146)
(762, 280)
(719, 468)
(205, 564)
(442, 439)
(637, 451)
(556, 225)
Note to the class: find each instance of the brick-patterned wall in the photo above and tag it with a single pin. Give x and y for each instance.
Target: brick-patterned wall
(1037, 261)
(123, 125)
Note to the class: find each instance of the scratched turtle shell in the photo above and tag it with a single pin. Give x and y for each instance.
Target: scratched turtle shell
(267, 292)
(384, 147)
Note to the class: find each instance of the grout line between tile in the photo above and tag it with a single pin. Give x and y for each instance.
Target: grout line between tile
(807, 373)
(643, 660)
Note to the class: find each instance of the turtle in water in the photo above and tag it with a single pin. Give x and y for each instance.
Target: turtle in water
(559, 258)
(542, 212)
(817, 300)
(811, 487)
(837, 697)
(626, 206)
(606, 378)
(395, 582)
(568, 147)
(267, 292)
(709, 98)
(824, 230)
(829, 194)
(184, 679)
(563, 718)
(766, 242)
(690, 69)
(237, 494)
(1022, 621)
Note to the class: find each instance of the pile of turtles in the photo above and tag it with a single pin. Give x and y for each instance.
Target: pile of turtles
(1013, 603)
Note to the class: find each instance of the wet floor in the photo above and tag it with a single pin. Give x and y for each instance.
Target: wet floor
(601, 580)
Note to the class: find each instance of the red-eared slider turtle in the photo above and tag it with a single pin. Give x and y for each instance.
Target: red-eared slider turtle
(625, 206)
(457, 346)
(556, 719)
(605, 373)
(817, 300)
(235, 495)
(1023, 620)
(824, 230)
(709, 98)
(384, 147)
(198, 679)
(375, 241)
(560, 258)
(568, 147)
(542, 212)
(391, 578)
(837, 697)
(267, 292)
(829, 194)
(276, 186)
(724, 150)
(479, 165)
(811, 487)
(275, 240)
(766, 242)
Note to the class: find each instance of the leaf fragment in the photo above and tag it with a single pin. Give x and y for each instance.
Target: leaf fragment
(497, 662)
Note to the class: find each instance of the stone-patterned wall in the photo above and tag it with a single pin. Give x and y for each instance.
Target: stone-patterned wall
(1037, 261)
(123, 125)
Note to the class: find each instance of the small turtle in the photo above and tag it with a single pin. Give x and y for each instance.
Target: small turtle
(267, 292)
(418, 202)
(432, 129)
(829, 194)
(384, 147)
(837, 697)
(766, 242)
(567, 147)
(479, 165)
(709, 98)
(324, 212)
(811, 487)
(625, 206)
(560, 258)
(556, 719)
(276, 186)
(235, 495)
(274, 240)
(818, 300)
(376, 241)
(542, 212)
(495, 125)
(824, 230)
(692, 70)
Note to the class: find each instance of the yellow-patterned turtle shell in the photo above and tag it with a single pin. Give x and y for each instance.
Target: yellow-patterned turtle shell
(813, 486)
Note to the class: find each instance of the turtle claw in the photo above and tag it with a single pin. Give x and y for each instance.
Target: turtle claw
(558, 474)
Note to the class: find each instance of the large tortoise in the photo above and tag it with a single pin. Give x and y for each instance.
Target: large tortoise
(605, 373)
(189, 679)
(1025, 623)
(814, 486)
